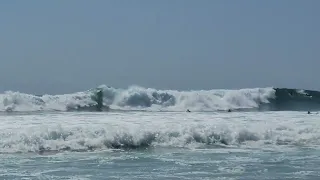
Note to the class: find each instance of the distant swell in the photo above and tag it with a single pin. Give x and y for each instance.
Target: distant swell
(147, 99)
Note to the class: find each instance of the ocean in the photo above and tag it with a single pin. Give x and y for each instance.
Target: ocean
(147, 134)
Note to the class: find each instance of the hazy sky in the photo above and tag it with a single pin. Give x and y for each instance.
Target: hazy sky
(63, 46)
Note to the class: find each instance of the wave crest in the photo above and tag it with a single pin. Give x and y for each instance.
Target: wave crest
(148, 99)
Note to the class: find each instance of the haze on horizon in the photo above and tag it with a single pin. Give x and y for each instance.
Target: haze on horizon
(66, 46)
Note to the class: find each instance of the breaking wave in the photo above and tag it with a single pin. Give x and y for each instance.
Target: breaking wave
(148, 99)
(81, 139)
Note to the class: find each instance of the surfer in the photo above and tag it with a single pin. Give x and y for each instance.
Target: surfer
(309, 112)
(188, 110)
(229, 110)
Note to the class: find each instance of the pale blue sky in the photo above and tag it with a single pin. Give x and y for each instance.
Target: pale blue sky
(64, 46)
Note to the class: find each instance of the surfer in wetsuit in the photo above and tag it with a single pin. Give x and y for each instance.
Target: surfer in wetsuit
(188, 110)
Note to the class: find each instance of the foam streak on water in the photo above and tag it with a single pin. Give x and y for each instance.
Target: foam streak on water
(170, 145)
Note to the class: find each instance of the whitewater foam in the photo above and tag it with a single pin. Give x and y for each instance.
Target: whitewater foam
(87, 132)
(16, 101)
(148, 99)
(139, 98)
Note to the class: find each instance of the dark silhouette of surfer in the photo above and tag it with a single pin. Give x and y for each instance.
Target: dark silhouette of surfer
(229, 110)
(188, 110)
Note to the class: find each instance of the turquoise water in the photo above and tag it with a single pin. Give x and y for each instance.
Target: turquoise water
(146, 145)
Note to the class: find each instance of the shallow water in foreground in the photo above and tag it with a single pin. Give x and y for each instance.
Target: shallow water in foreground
(146, 145)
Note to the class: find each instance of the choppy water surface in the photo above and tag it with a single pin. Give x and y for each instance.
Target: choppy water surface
(149, 145)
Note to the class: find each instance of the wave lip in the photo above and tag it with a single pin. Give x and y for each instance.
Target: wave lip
(148, 99)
